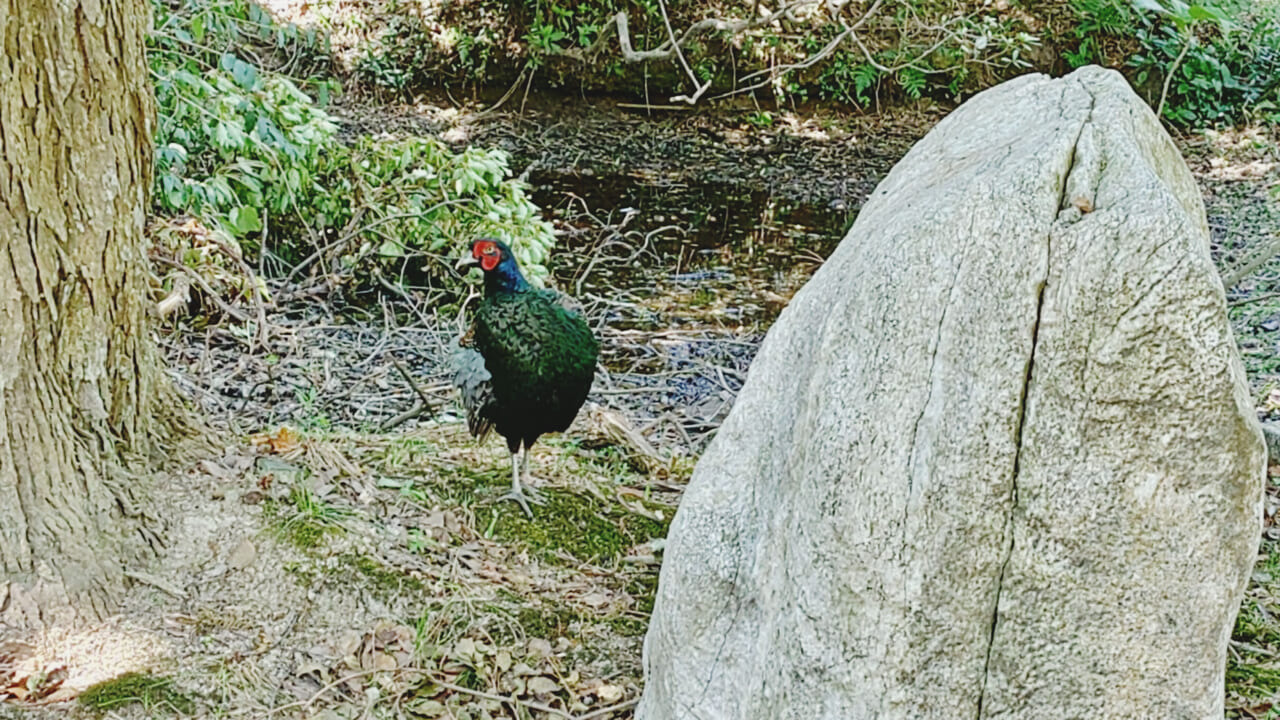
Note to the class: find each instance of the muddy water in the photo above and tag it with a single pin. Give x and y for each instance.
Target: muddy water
(686, 255)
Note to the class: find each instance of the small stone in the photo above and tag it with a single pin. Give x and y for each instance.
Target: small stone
(243, 555)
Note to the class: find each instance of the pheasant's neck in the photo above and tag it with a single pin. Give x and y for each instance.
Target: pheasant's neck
(505, 278)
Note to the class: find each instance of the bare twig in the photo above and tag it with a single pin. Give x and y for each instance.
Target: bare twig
(699, 87)
(606, 710)
(156, 582)
(506, 96)
(1256, 259)
(423, 404)
(500, 698)
(1168, 78)
(1251, 300)
(207, 288)
(671, 47)
(414, 384)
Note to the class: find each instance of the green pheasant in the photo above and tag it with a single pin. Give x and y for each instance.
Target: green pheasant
(527, 363)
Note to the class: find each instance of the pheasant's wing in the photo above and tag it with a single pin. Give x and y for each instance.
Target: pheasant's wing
(474, 384)
(565, 301)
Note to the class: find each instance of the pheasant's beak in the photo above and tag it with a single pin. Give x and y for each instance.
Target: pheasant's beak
(466, 264)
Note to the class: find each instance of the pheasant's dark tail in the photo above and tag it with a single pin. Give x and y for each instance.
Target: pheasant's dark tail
(474, 384)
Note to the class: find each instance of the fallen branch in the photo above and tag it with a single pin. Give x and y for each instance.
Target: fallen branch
(1251, 263)
(423, 404)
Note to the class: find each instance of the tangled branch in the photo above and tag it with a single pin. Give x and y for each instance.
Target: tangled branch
(852, 33)
(673, 46)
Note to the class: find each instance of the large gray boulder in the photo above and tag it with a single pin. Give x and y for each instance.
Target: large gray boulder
(996, 460)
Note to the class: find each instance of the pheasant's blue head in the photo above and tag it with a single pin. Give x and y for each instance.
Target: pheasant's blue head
(494, 258)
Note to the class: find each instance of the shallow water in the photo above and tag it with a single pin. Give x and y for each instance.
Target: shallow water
(710, 254)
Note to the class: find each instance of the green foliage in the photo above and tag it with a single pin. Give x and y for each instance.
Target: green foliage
(847, 80)
(951, 48)
(1220, 60)
(154, 694)
(915, 66)
(251, 155)
(846, 76)
(543, 40)
(234, 145)
(419, 197)
(912, 82)
(1098, 22)
(557, 28)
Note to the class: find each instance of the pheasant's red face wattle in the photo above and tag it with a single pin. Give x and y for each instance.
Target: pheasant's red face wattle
(487, 253)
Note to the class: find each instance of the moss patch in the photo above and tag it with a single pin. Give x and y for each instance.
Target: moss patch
(153, 693)
(383, 580)
(627, 626)
(581, 526)
(305, 522)
(644, 588)
(552, 620)
(547, 621)
(473, 484)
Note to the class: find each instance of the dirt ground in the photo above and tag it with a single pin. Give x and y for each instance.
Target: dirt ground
(338, 560)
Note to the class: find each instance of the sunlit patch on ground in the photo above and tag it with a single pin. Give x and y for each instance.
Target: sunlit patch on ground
(59, 663)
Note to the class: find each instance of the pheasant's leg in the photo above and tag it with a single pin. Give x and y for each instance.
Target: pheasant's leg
(530, 491)
(517, 495)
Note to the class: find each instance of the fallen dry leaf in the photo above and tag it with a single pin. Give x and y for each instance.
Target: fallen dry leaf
(542, 685)
(280, 442)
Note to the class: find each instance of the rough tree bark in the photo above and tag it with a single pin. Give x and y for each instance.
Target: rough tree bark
(83, 403)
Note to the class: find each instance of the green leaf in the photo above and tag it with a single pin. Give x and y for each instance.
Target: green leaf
(245, 75)
(244, 219)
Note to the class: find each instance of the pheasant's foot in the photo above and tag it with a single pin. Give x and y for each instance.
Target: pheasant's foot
(523, 497)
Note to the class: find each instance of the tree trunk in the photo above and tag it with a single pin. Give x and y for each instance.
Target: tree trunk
(82, 396)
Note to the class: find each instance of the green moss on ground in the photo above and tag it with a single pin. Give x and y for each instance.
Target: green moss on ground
(383, 580)
(581, 526)
(154, 693)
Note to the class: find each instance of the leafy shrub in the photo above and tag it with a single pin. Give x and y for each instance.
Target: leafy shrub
(1100, 31)
(256, 159)
(930, 47)
(234, 145)
(1219, 60)
(406, 54)
(414, 197)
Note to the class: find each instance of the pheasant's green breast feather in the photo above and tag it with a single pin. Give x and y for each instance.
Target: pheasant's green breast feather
(541, 355)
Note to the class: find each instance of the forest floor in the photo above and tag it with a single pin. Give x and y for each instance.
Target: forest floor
(338, 559)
